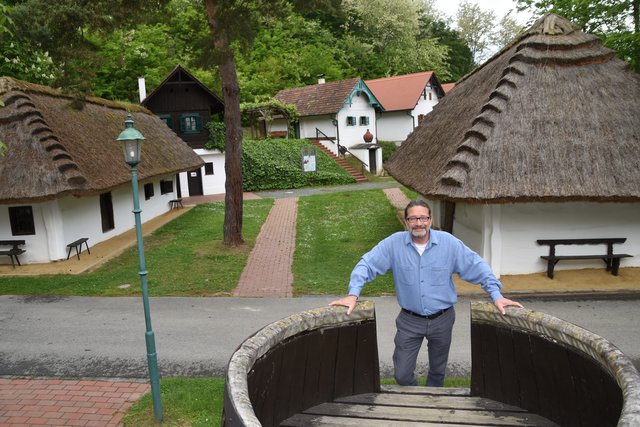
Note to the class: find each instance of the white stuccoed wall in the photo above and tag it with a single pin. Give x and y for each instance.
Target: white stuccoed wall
(505, 235)
(59, 222)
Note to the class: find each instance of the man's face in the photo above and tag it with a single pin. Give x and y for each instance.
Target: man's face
(418, 221)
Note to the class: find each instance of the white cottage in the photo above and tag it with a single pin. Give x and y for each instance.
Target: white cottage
(406, 100)
(540, 142)
(63, 176)
(337, 114)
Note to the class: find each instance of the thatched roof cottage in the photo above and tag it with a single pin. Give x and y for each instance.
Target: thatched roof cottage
(63, 175)
(542, 141)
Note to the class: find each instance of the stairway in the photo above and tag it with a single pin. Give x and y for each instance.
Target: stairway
(341, 162)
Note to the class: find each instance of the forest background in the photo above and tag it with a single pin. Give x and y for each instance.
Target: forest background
(101, 47)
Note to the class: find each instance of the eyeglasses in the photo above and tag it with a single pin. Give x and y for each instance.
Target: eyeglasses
(414, 219)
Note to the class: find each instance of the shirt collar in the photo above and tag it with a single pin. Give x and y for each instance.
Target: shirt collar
(433, 238)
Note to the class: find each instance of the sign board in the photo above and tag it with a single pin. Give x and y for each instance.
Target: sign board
(308, 159)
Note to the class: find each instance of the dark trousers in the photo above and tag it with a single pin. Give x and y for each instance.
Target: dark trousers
(410, 332)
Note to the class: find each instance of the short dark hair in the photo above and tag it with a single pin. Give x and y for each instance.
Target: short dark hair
(414, 203)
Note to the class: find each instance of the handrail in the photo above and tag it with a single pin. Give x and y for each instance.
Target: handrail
(342, 149)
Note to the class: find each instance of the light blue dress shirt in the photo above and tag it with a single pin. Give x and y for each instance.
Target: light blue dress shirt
(424, 283)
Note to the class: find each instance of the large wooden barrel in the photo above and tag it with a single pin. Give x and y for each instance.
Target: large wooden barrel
(552, 368)
(300, 361)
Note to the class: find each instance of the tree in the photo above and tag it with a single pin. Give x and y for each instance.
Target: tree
(290, 52)
(460, 56)
(61, 28)
(476, 27)
(382, 38)
(616, 22)
(508, 29)
(233, 24)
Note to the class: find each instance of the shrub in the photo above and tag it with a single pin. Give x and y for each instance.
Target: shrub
(276, 164)
(388, 148)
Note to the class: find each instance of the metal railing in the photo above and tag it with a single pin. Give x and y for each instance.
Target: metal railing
(342, 149)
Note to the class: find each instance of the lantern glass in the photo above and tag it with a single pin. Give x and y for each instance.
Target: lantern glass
(132, 151)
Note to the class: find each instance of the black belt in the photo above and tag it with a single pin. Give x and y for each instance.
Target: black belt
(427, 316)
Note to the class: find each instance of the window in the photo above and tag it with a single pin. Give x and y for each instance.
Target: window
(351, 121)
(364, 120)
(166, 186)
(167, 119)
(208, 168)
(148, 191)
(429, 96)
(190, 123)
(106, 212)
(21, 218)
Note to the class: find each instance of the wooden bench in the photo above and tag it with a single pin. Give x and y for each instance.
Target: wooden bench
(78, 246)
(611, 260)
(14, 251)
(175, 203)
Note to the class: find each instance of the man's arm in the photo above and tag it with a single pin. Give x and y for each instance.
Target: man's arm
(372, 264)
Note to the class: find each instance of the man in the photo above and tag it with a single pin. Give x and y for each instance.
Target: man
(423, 261)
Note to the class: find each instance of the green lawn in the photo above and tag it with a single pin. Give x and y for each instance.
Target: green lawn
(198, 402)
(185, 257)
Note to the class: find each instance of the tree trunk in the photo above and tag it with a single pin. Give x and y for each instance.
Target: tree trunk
(233, 141)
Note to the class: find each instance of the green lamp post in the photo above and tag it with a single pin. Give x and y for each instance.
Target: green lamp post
(132, 140)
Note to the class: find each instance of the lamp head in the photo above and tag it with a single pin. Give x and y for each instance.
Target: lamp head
(132, 139)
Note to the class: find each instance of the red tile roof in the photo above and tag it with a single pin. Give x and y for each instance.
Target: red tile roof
(447, 87)
(326, 98)
(399, 92)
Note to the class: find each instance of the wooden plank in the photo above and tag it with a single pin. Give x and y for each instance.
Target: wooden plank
(345, 361)
(392, 414)
(291, 384)
(528, 392)
(510, 386)
(426, 391)
(421, 401)
(367, 365)
(328, 347)
(263, 382)
(308, 420)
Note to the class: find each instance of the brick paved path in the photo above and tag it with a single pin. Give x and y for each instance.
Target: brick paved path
(268, 270)
(397, 198)
(56, 402)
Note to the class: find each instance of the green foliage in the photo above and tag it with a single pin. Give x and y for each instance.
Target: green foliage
(26, 62)
(287, 53)
(388, 148)
(5, 19)
(460, 57)
(217, 132)
(382, 39)
(273, 164)
(333, 231)
(267, 108)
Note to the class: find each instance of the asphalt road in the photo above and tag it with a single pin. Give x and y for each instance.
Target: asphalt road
(104, 337)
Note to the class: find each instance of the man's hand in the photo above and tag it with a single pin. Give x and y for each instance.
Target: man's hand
(503, 303)
(348, 301)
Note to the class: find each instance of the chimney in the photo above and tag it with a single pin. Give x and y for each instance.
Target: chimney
(320, 79)
(142, 89)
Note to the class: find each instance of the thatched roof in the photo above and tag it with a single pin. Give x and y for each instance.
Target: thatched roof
(554, 116)
(54, 149)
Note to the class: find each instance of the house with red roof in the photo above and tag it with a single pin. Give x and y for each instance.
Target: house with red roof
(406, 100)
(340, 115)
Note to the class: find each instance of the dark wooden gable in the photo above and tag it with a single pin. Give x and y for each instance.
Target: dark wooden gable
(186, 105)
